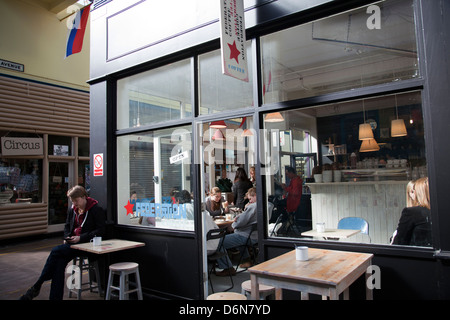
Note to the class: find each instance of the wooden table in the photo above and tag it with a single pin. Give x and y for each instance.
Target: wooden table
(327, 273)
(108, 246)
(221, 223)
(331, 234)
(105, 248)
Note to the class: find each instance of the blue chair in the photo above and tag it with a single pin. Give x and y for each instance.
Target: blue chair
(355, 223)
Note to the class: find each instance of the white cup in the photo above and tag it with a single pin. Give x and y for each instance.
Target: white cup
(301, 253)
(318, 177)
(320, 227)
(96, 241)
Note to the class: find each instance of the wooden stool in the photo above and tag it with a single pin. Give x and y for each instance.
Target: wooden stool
(124, 269)
(226, 296)
(83, 264)
(264, 290)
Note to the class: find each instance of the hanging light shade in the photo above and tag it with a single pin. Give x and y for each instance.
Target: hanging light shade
(365, 131)
(247, 133)
(218, 135)
(398, 128)
(218, 124)
(274, 117)
(369, 145)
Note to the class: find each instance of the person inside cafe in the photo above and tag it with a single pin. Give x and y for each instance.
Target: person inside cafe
(294, 194)
(414, 226)
(211, 245)
(410, 202)
(242, 227)
(252, 173)
(85, 220)
(215, 204)
(184, 198)
(240, 187)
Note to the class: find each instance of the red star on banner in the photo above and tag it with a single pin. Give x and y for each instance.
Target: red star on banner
(129, 207)
(234, 52)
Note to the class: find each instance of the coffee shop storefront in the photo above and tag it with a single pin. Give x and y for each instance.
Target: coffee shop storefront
(167, 119)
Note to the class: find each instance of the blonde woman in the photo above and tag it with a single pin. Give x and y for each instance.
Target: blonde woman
(410, 195)
(414, 226)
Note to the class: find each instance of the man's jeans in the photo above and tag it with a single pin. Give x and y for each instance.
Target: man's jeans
(55, 268)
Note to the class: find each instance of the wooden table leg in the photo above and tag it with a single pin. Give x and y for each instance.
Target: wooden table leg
(255, 287)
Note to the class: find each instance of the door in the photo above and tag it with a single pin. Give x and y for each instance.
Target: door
(59, 181)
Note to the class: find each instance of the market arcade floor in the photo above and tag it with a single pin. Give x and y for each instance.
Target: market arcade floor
(21, 264)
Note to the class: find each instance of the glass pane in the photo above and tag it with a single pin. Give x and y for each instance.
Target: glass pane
(340, 53)
(155, 96)
(348, 179)
(84, 168)
(155, 179)
(219, 92)
(20, 181)
(58, 184)
(83, 147)
(59, 145)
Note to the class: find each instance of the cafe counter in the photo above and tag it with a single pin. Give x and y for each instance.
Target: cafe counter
(380, 203)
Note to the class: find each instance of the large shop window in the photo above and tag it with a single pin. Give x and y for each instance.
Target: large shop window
(20, 181)
(155, 96)
(350, 50)
(218, 92)
(351, 159)
(154, 179)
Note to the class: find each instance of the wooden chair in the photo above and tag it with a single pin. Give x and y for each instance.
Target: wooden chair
(226, 296)
(264, 291)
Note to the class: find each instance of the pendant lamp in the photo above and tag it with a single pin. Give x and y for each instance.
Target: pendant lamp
(247, 133)
(274, 117)
(365, 130)
(369, 145)
(398, 128)
(218, 124)
(218, 135)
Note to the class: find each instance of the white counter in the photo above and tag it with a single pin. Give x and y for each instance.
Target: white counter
(378, 202)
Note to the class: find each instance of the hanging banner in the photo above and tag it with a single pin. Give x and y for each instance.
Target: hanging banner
(232, 39)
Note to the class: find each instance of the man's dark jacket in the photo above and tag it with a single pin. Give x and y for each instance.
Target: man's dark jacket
(95, 224)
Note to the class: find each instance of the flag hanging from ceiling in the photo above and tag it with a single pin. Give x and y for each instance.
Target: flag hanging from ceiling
(76, 33)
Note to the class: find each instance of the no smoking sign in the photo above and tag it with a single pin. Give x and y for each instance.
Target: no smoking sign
(98, 164)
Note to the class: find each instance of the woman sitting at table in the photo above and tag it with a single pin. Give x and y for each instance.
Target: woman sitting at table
(242, 226)
(414, 226)
(215, 204)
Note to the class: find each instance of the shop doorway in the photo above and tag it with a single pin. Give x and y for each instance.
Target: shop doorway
(226, 146)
